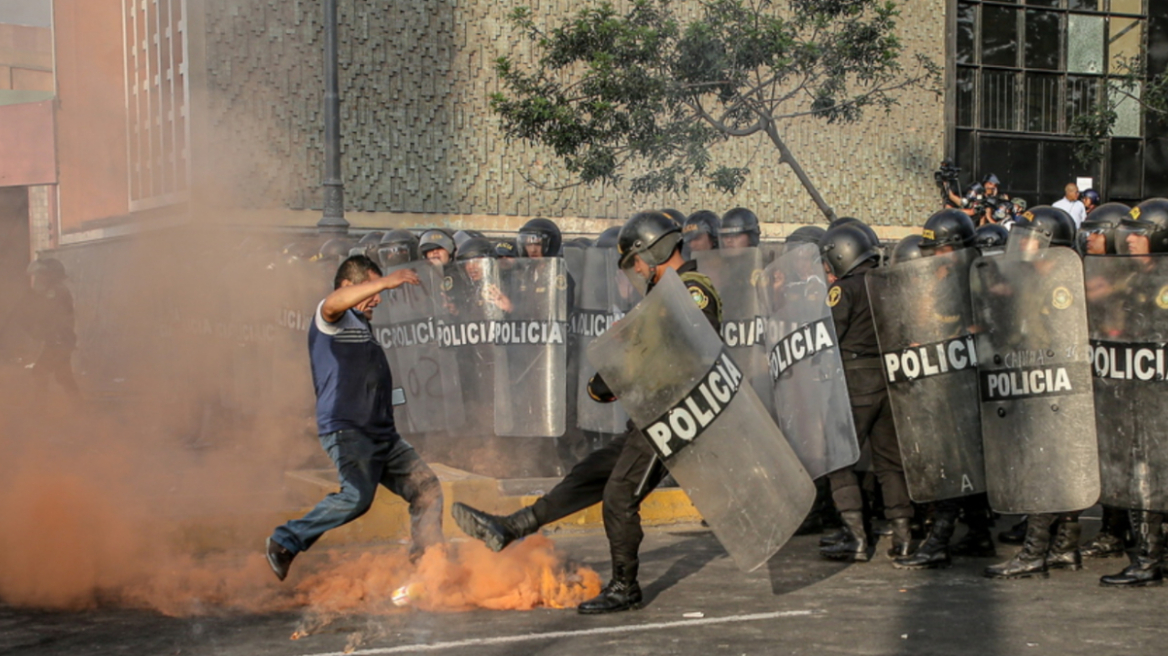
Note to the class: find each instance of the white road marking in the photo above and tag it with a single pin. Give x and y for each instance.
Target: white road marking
(552, 635)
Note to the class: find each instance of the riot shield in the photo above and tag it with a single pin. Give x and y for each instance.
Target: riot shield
(405, 326)
(1127, 312)
(531, 358)
(1034, 369)
(737, 273)
(807, 376)
(683, 389)
(473, 303)
(923, 318)
(603, 297)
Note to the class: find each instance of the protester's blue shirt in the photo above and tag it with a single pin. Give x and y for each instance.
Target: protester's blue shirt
(351, 376)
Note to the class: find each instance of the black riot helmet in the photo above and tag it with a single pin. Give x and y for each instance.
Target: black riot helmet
(436, 238)
(739, 221)
(367, 245)
(652, 236)
(907, 249)
(677, 215)
(397, 247)
(858, 223)
(505, 249)
(463, 235)
(1150, 219)
(701, 222)
(607, 239)
(991, 238)
(1051, 222)
(846, 247)
(474, 248)
(1100, 224)
(804, 235)
(948, 227)
(333, 251)
(543, 232)
(48, 269)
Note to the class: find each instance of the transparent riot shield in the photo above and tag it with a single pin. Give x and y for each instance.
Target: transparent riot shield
(737, 274)
(603, 296)
(810, 392)
(690, 399)
(532, 341)
(474, 302)
(1127, 312)
(923, 319)
(1034, 369)
(405, 325)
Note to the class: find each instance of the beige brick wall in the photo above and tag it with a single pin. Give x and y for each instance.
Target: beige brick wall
(419, 137)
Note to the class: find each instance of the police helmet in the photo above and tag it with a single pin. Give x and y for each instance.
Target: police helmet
(701, 222)
(543, 232)
(843, 220)
(804, 235)
(333, 250)
(474, 248)
(948, 227)
(1102, 220)
(607, 239)
(651, 235)
(505, 248)
(677, 215)
(739, 221)
(367, 245)
(463, 235)
(1052, 222)
(991, 238)
(845, 247)
(1092, 196)
(435, 238)
(907, 249)
(1149, 218)
(397, 247)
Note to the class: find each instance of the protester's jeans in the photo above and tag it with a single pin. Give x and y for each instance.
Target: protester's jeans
(363, 462)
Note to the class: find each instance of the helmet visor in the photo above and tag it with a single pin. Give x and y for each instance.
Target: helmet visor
(1026, 241)
(528, 241)
(1132, 237)
(1092, 239)
(393, 254)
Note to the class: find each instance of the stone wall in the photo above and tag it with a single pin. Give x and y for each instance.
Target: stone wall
(419, 137)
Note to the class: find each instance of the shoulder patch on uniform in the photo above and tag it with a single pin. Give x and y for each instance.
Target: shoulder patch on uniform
(561, 282)
(833, 296)
(1162, 298)
(699, 297)
(756, 278)
(1062, 298)
(447, 283)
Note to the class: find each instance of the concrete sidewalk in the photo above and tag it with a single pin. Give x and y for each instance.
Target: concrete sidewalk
(798, 604)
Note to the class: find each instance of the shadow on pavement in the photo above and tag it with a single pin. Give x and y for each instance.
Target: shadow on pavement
(689, 556)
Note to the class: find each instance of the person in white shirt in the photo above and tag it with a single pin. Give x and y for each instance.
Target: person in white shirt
(1071, 205)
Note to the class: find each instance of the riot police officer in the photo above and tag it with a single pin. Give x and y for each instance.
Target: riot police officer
(848, 254)
(397, 247)
(437, 246)
(739, 229)
(367, 245)
(700, 232)
(622, 473)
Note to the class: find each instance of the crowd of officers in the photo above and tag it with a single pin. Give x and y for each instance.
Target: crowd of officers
(921, 536)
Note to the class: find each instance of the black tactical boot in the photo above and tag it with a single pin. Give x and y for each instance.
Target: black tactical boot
(1064, 550)
(279, 558)
(1147, 565)
(497, 532)
(1016, 533)
(1031, 560)
(855, 547)
(1108, 542)
(934, 551)
(621, 593)
(835, 537)
(978, 541)
(901, 538)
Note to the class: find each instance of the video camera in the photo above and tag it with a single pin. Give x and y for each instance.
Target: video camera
(947, 177)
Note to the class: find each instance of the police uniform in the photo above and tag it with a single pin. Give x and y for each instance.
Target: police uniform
(852, 313)
(614, 473)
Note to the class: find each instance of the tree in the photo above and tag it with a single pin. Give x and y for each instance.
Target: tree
(1130, 81)
(608, 91)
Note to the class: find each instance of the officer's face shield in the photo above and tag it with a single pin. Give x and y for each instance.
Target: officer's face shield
(737, 238)
(638, 272)
(1092, 239)
(1132, 237)
(437, 255)
(533, 244)
(392, 255)
(1026, 241)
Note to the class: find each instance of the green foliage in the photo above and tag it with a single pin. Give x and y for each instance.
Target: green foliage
(1130, 80)
(608, 89)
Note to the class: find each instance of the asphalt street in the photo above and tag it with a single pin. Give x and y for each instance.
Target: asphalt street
(698, 603)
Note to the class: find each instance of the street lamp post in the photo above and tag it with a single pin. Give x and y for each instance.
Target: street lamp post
(333, 219)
